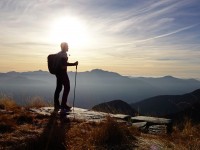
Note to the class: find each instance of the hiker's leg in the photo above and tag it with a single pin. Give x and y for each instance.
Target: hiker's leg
(66, 84)
(58, 90)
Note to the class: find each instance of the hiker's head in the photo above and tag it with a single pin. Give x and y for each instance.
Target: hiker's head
(64, 46)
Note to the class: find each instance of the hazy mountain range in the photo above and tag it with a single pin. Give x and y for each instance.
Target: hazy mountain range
(93, 87)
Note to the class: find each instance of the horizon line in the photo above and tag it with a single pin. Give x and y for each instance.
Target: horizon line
(131, 76)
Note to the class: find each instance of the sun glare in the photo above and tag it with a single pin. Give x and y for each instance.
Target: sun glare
(71, 30)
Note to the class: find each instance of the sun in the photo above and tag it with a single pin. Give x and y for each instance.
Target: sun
(71, 30)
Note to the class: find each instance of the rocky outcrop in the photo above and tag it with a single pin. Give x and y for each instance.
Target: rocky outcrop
(115, 107)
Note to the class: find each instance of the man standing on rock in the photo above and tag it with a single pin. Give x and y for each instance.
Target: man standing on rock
(62, 78)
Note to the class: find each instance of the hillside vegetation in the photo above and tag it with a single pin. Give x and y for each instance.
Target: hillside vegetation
(21, 129)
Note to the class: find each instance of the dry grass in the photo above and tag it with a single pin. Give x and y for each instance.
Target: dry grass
(10, 122)
(111, 133)
(52, 133)
(37, 102)
(8, 103)
(18, 128)
(7, 123)
(104, 135)
(32, 131)
(16, 124)
(186, 135)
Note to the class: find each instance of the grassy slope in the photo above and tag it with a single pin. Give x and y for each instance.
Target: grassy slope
(25, 130)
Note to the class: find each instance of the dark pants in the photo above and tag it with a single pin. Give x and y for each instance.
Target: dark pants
(62, 80)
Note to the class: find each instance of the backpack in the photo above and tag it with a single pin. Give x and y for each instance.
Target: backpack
(52, 64)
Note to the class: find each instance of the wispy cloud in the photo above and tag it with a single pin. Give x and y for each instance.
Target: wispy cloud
(168, 34)
(131, 32)
(143, 20)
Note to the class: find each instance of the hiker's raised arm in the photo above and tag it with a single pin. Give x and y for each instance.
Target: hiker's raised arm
(72, 64)
(69, 64)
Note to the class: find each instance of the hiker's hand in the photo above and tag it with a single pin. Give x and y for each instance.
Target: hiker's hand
(76, 63)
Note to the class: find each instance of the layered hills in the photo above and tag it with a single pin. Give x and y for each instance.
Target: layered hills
(93, 87)
(174, 106)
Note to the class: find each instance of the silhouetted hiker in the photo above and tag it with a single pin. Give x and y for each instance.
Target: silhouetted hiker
(62, 78)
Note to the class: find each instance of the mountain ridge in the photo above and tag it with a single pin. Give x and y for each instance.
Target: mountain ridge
(166, 105)
(93, 87)
(97, 71)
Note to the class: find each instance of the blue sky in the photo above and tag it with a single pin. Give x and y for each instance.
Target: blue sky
(131, 37)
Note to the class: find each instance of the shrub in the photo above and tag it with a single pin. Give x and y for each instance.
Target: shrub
(24, 118)
(100, 136)
(5, 128)
(37, 102)
(6, 124)
(112, 134)
(2, 106)
(7, 102)
(186, 135)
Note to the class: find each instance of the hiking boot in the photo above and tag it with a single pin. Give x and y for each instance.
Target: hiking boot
(56, 107)
(67, 108)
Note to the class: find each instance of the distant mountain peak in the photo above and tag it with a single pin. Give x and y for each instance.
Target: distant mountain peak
(12, 72)
(169, 77)
(100, 71)
(97, 70)
(40, 70)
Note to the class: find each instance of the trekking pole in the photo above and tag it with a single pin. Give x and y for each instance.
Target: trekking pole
(74, 91)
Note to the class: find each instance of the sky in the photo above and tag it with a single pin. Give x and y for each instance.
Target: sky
(131, 37)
